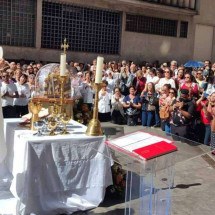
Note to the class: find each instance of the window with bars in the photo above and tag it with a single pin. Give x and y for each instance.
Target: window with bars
(188, 4)
(17, 26)
(183, 29)
(86, 29)
(151, 25)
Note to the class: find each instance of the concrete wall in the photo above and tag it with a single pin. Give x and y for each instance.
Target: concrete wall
(206, 16)
(134, 46)
(154, 47)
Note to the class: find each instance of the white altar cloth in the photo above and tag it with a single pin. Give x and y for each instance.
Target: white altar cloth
(58, 174)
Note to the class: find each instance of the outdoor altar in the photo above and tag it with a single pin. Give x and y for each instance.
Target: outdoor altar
(53, 174)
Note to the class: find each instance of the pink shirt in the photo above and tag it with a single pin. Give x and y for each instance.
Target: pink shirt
(193, 88)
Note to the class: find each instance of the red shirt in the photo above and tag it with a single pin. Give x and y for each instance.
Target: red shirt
(205, 118)
(139, 84)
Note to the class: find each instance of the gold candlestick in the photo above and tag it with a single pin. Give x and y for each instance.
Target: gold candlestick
(94, 126)
(63, 79)
(65, 120)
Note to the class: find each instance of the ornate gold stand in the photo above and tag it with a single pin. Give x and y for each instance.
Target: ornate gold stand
(59, 104)
(58, 100)
(94, 126)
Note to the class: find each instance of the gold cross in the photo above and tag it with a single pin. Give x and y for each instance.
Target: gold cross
(64, 46)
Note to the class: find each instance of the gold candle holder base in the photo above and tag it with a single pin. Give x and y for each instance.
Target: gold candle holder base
(94, 128)
(52, 133)
(64, 132)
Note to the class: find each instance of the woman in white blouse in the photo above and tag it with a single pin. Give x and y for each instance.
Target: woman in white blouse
(152, 77)
(111, 82)
(31, 83)
(166, 80)
(87, 91)
(117, 110)
(104, 103)
(21, 103)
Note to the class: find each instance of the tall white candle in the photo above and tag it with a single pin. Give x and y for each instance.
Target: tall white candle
(99, 68)
(1, 52)
(3, 148)
(63, 64)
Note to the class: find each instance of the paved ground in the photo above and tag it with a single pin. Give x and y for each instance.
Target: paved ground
(193, 192)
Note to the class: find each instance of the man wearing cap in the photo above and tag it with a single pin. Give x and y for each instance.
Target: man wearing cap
(182, 113)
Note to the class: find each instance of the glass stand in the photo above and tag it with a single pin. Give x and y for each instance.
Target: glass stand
(148, 186)
(150, 173)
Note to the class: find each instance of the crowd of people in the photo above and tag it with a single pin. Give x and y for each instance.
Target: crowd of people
(179, 100)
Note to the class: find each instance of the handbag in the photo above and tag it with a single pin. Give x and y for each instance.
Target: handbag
(151, 107)
(153, 100)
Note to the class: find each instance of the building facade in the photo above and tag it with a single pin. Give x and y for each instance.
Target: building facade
(137, 30)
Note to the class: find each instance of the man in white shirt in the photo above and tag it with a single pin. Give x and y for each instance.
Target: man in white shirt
(8, 93)
(174, 68)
